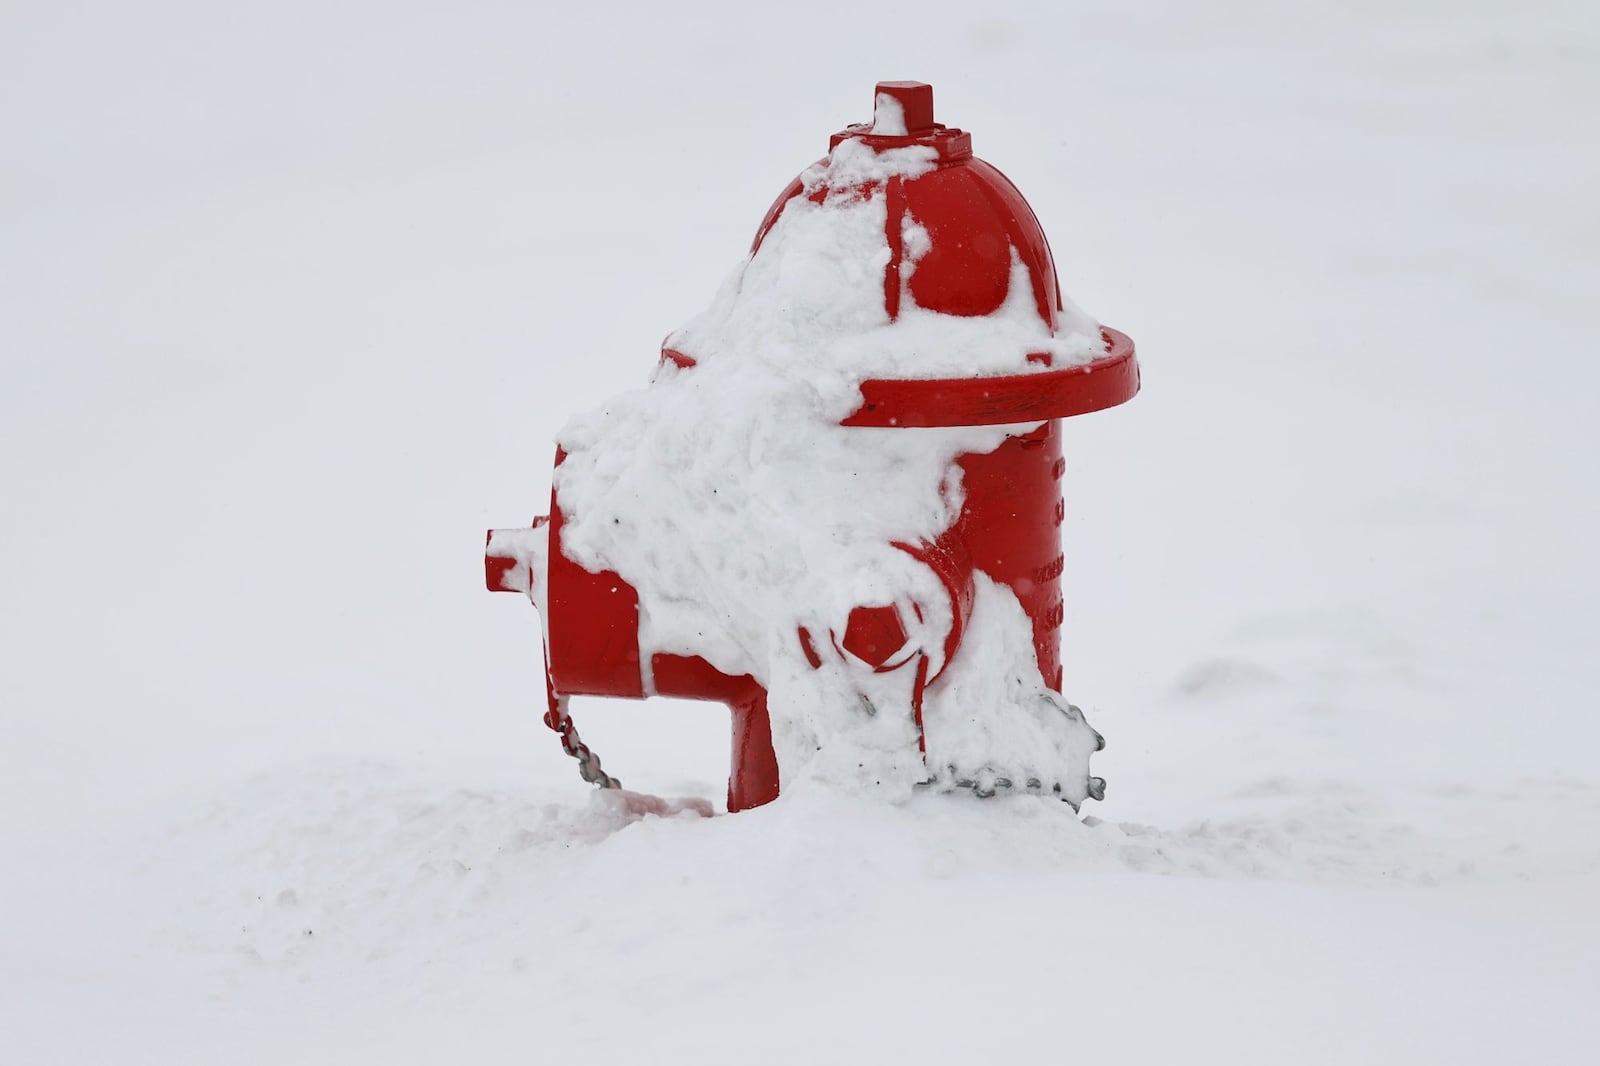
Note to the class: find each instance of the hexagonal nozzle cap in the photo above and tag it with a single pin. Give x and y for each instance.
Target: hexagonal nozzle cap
(874, 634)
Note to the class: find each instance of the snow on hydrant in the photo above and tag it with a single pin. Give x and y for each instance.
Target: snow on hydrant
(836, 508)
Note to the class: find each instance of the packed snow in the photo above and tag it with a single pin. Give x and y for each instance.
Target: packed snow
(888, 116)
(294, 300)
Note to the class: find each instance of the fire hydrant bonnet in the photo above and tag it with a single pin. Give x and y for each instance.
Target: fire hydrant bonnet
(965, 262)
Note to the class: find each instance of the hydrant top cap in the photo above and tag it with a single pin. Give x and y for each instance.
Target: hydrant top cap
(915, 99)
(914, 124)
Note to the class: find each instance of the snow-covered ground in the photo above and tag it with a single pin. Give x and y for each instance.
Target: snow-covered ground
(294, 298)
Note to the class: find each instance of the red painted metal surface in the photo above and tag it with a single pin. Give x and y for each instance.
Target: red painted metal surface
(875, 635)
(1009, 525)
(916, 103)
(1004, 399)
(754, 776)
(592, 634)
(498, 570)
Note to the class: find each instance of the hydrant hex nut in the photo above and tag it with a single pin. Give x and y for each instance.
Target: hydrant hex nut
(874, 634)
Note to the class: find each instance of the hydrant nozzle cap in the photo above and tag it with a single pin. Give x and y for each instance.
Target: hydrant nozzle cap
(902, 115)
(916, 103)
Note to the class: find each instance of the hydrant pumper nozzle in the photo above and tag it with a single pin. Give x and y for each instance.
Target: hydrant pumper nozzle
(976, 235)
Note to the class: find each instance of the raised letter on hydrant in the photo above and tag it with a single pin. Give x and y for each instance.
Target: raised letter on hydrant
(836, 508)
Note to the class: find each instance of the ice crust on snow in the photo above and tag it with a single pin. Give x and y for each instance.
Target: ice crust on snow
(730, 497)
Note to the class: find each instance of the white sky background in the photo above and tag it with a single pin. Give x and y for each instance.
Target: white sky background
(293, 298)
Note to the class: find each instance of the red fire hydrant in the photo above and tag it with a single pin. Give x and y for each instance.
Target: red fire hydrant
(900, 339)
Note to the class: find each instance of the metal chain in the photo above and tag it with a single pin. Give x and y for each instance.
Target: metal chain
(589, 766)
(982, 784)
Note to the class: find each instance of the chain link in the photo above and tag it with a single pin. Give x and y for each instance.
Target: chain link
(985, 783)
(589, 766)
